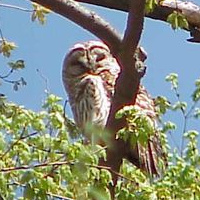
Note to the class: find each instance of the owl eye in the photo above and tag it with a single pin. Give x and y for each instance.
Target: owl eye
(77, 68)
(79, 64)
(100, 57)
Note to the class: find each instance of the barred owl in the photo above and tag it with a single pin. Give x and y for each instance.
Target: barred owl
(89, 76)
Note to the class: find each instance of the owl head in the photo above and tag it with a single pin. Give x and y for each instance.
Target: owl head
(92, 58)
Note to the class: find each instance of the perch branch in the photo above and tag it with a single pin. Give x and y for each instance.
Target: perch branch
(161, 12)
(86, 19)
(128, 78)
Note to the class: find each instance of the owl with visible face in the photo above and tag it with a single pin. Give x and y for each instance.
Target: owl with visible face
(89, 75)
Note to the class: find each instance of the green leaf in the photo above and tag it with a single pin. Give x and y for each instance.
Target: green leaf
(162, 104)
(100, 193)
(191, 134)
(197, 113)
(173, 20)
(29, 192)
(19, 64)
(196, 93)
(150, 5)
(179, 106)
(125, 111)
(39, 13)
(6, 47)
(27, 176)
(173, 79)
(177, 20)
(168, 126)
(105, 177)
(2, 142)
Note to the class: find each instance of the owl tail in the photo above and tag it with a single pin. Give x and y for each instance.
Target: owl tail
(149, 158)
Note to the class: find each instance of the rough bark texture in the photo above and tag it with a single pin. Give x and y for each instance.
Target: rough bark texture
(128, 78)
(161, 12)
(86, 19)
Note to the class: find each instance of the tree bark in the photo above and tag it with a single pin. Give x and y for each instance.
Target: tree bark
(161, 12)
(86, 19)
(128, 78)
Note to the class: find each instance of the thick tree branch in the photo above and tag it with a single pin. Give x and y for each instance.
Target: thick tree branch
(128, 78)
(161, 12)
(86, 19)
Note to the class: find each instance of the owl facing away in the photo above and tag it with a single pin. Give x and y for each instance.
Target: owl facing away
(89, 76)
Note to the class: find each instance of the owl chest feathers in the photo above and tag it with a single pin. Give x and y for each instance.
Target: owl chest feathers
(91, 101)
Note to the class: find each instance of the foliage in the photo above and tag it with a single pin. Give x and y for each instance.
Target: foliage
(38, 156)
(139, 125)
(43, 157)
(150, 5)
(39, 159)
(177, 20)
(6, 47)
(14, 66)
(39, 13)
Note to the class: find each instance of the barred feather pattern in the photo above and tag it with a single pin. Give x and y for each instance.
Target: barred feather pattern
(147, 158)
(89, 75)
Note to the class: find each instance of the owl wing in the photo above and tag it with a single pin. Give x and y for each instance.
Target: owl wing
(148, 157)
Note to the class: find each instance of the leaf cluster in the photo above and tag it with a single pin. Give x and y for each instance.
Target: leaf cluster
(38, 156)
(39, 13)
(139, 125)
(177, 20)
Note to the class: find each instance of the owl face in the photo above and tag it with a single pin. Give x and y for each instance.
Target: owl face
(90, 58)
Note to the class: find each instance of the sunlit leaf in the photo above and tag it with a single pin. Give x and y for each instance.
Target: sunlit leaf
(173, 79)
(19, 64)
(39, 13)
(177, 20)
(7, 47)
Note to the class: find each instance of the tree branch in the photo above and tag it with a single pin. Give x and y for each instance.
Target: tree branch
(86, 19)
(47, 193)
(161, 12)
(128, 78)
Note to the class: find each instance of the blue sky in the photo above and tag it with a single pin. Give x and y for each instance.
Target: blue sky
(44, 47)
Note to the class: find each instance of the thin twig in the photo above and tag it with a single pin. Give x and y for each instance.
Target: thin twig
(46, 81)
(7, 75)
(30, 135)
(60, 163)
(47, 193)
(112, 171)
(184, 122)
(41, 165)
(13, 144)
(191, 109)
(15, 7)
(1, 35)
